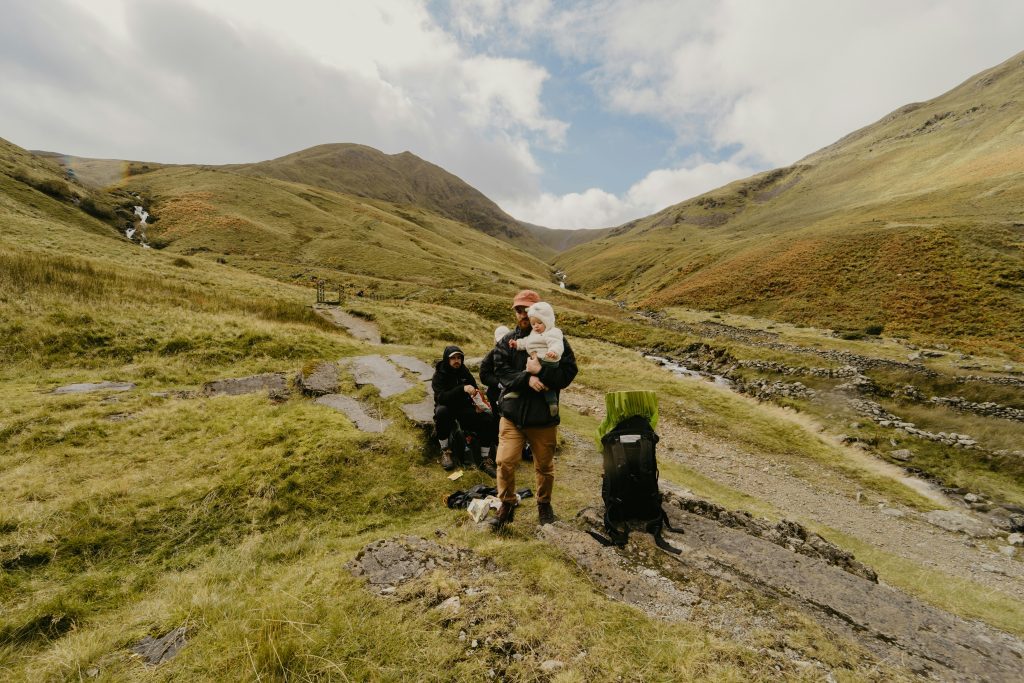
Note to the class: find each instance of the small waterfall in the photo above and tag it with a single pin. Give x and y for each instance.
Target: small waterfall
(140, 229)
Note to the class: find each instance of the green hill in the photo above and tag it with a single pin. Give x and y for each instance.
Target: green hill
(289, 230)
(915, 223)
(403, 179)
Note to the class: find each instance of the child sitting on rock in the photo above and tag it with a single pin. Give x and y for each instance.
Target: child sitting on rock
(545, 344)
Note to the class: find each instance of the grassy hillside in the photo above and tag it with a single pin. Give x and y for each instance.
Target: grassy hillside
(127, 515)
(296, 232)
(914, 223)
(403, 179)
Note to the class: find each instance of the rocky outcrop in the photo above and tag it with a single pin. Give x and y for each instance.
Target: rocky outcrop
(787, 534)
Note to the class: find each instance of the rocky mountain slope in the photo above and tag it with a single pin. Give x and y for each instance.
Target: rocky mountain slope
(914, 223)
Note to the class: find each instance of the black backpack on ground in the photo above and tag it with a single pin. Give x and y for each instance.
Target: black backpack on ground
(630, 485)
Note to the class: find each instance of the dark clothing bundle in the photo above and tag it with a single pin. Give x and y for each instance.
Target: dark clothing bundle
(462, 499)
(529, 408)
(451, 402)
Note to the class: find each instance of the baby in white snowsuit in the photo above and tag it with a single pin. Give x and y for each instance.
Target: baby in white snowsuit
(545, 343)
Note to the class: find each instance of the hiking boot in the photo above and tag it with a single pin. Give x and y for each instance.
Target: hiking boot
(489, 467)
(545, 515)
(446, 459)
(505, 514)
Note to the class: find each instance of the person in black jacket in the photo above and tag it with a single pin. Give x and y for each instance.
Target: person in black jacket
(527, 418)
(454, 389)
(490, 380)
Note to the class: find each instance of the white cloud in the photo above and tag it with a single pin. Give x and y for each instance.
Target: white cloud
(780, 79)
(242, 80)
(596, 208)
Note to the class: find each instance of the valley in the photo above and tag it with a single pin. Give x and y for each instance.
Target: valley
(203, 468)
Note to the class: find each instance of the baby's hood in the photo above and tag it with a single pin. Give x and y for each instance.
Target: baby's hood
(543, 310)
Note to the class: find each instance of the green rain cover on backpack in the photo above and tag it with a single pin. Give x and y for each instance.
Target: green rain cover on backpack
(622, 405)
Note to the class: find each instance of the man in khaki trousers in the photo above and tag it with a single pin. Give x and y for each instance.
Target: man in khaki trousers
(527, 417)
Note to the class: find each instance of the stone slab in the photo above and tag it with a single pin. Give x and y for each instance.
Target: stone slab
(322, 379)
(425, 371)
(377, 371)
(88, 387)
(355, 412)
(273, 382)
(422, 413)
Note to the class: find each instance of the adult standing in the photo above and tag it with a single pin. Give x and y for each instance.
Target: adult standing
(527, 418)
(454, 388)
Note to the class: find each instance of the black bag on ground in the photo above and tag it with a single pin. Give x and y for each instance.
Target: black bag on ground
(630, 485)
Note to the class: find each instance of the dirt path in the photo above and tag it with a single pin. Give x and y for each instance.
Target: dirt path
(893, 529)
(356, 326)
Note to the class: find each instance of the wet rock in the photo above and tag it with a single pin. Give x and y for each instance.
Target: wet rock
(270, 382)
(355, 412)
(89, 387)
(321, 379)
(158, 650)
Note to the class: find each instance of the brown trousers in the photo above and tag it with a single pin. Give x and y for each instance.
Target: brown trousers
(511, 440)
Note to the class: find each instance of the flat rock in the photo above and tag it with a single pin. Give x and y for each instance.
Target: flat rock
(322, 379)
(957, 522)
(158, 650)
(377, 371)
(272, 382)
(422, 413)
(412, 364)
(393, 562)
(618, 577)
(88, 387)
(355, 412)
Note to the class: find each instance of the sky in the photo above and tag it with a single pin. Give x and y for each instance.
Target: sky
(567, 114)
